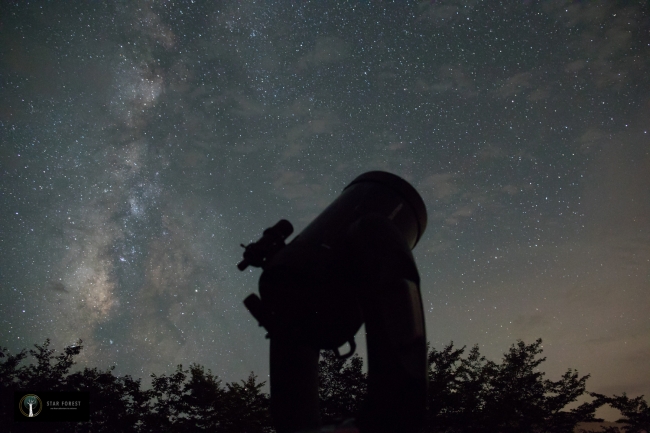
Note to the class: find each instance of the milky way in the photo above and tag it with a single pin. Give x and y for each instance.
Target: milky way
(143, 142)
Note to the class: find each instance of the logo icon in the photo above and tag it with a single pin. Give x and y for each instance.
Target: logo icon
(30, 405)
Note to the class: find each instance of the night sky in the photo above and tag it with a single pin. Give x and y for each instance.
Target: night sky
(142, 142)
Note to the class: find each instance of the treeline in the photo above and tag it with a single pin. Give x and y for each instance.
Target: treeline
(467, 394)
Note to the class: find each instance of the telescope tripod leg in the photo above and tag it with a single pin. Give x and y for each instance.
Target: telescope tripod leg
(294, 386)
(397, 382)
(395, 331)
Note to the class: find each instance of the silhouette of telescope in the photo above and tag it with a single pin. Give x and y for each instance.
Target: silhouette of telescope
(351, 265)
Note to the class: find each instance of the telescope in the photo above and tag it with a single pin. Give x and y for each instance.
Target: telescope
(352, 265)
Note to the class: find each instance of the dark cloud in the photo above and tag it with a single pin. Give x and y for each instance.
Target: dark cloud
(57, 286)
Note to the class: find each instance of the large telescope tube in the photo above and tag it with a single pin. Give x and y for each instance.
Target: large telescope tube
(351, 265)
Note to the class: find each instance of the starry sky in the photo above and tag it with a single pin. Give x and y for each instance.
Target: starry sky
(142, 142)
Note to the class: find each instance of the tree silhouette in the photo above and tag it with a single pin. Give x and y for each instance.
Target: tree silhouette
(247, 407)
(117, 402)
(198, 402)
(473, 394)
(184, 401)
(342, 387)
(203, 403)
(635, 411)
(467, 394)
